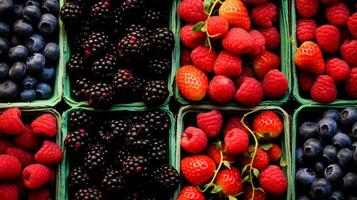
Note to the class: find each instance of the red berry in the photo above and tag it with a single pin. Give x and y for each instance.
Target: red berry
(259, 43)
(210, 122)
(191, 39)
(236, 13)
(337, 14)
(213, 151)
(4, 144)
(230, 181)
(221, 89)
(306, 80)
(324, 89)
(233, 122)
(203, 58)
(244, 94)
(10, 167)
(35, 176)
(268, 124)
(272, 37)
(236, 141)
(351, 89)
(273, 180)
(50, 153)
(191, 11)
(306, 30)
(190, 193)
(261, 159)
(275, 84)
(217, 26)
(9, 191)
(309, 57)
(307, 8)
(338, 69)
(27, 139)
(193, 140)
(197, 169)
(349, 52)
(24, 157)
(185, 58)
(265, 15)
(328, 37)
(352, 25)
(258, 194)
(228, 64)
(238, 41)
(39, 194)
(266, 62)
(274, 153)
(45, 124)
(10, 122)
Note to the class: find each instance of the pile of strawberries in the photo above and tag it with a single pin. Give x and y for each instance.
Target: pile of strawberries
(327, 55)
(230, 51)
(231, 160)
(28, 156)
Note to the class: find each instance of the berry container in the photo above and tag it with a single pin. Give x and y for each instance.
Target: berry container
(285, 57)
(188, 113)
(65, 165)
(296, 92)
(67, 95)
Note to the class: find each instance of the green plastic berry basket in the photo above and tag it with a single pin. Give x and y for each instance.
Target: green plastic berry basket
(285, 57)
(187, 114)
(67, 94)
(296, 92)
(65, 165)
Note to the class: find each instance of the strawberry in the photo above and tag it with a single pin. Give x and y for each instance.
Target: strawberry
(236, 141)
(190, 193)
(230, 181)
(324, 89)
(221, 89)
(210, 122)
(273, 180)
(261, 159)
(236, 13)
(309, 57)
(274, 153)
(197, 169)
(268, 124)
(258, 194)
(192, 82)
(265, 62)
(213, 151)
(193, 140)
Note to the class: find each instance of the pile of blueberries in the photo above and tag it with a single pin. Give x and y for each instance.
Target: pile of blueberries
(326, 156)
(29, 50)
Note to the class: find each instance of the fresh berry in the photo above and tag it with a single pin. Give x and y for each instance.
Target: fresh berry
(217, 26)
(190, 193)
(191, 11)
(306, 80)
(337, 69)
(264, 15)
(197, 169)
(210, 122)
(9, 191)
(100, 95)
(236, 141)
(193, 140)
(192, 82)
(80, 119)
(350, 88)
(258, 194)
(113, 181)
(268, 124)
(155, 92)
(191, 39)
(221, 89)
(348, 51)
(214, 152)
(273, 180)
(259, 43)
(26, 158)
(337, 14)
(230, 181)
(306, 30)
(244, 95)
(228, 64)
(95, 157)
(274, 153)
(71, 14)
(261, 159)
(236, 13)
(167, 177)
(35, 176)
(50, 153)
(163, 40)
(76, 141)
(203, 58)
(45, 124)
(238, 40)
(328, 38)
(157, 151)
(324, 89)
(352, 25)
(10, 167)
(307, 8)
(272, 37)
(10, 122)
(27, 139)
(233, 122)
(309, 57)
(4, 144)
(39, 194)
(95, 44)
(135, 166)
(90, 193)
(275, 84)
(266, 62)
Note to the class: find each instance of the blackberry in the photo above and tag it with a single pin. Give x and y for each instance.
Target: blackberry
(138, 89)
(155, 17)
(163, 40)
(118, 21)
(113, 181)
(78, 178)
(157, 121)
(157, 151)
(76, 142)
(167, 177)
(120, 156)
(100, 95)
(112, 130)
(159, 67)
(80, 88)
(96, 157)
(71, 14)
(132, 8)
(80, 119)
(124, 83)
(155, 93)
(77, 41)
(104, 67)
(89, 194)
(133, 46)
(135, 118)
(136, 27)
(136, 137)
(135, 165)
(101, 13)
(96, 44)
(76, 64)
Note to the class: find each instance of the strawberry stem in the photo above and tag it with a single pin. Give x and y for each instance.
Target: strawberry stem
(215, 173)
(209, 15)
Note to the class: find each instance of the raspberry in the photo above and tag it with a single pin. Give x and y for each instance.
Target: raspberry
(27, 139)
(247, 71)
(9, 191)
(264, 15)
(328, 37)
(210, 122)
(45, 124)
(203, 58)
(228, 64)
(338, 69)
(193, 140)
(221, 89)
(35, 176)
(261, 159)
(259, 43)
(275, 84)
(50, 153)
(4, 144)
(274, 153)
(306, 30)
(258, 194)
(10, 167)
(306, 80)
(233, 122)
(265, 62)
(273, 180)
(272, 37)
(352, 25)
(337, 14)
(10, 122)
(185, 58)
(307, 8)
(324, 89)
(238, 41)
(351, 89)
(348, 51)
(24, 157)
(236, 141)
(254, 2)
(39, 194)
(191, 11)
(190, 38)
(244, 94)
(217, 26)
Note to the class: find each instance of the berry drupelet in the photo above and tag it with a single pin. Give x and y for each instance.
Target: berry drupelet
(167, 177)
(76, 142)
(133, 46)
(89, 194)
(124, 83)
(71, 14)
(157, 152)
(104, 68)
(80, 119)
(113, 181)
(163, 40)
(112, 131)
(100, 95)
(96, 157)
(159, 67)
(136, 137)
(157, 121)
(135, 165)
(76, 65)
(80, 88)
(96, 44)
(155, 93)
(101, 13)
(78, 178)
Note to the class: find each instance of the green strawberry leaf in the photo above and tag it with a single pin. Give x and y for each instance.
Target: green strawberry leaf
(246, 154)
(227, 164)
(245, 168)
(231, 197)
(207, 4)
(216, 189)
(283, 163)
(198, 26)
(256, 172)
(266, 147)
(219, 145)
(246, 179)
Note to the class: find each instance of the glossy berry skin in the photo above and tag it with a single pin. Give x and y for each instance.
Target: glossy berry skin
(43, 90)
(230, 181)
(327, 128)
(309, 57)
(4, 29)
(350, 182)
(193, 140)
(348, 117)
(245, 97)
(28, 82)
(217, 26)
(261, 160)
(22, 29)
(333, 114)
(48, 24)
(48, 74)
(305, 176)
(345, 157)
(275, 84)
(353, 134)
(8, 90)
(51, 6)
(268, 124)
(236, 13)
(307, 130)
(4, 71)
(190, 193)
(265, 62)
(51, 52)
(197, 169)
(18, 52)
(31, 13)
(334, 173)
(312, 148)
(17, 71)
(35, 63)
(341, 140)
(28, 95)
(321, 188)
(299, 154)
(319, 169)
(236, 141)
(329, 154)
(192, 82)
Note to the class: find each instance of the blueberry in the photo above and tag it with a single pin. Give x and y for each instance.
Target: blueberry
(19, 7)
(50, 6)
(312, 148)
(350, 182)
(33, 3)
(337, 195)
(31, 13)
(35, 63)
(303, 198)
(307, 130)
(48, 24)
(17, 71)
(333, 114)
(299, 157)
(354, 132)
(348, 117)
(4, 29)
(22, 29)
(321, 188)
(15, 41)
(334, 173)
(6, 7)
(18, 52)
(341, 140)
(8, 91)
(35, 43)
(4, 71)
(4, 46)
(327, 128)
(319, 168)
(345, 157)
(28, 82)
(51, 52)
(48, 74)
(305, 176)
(43, 91)
(329, 154)
(28, 95)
